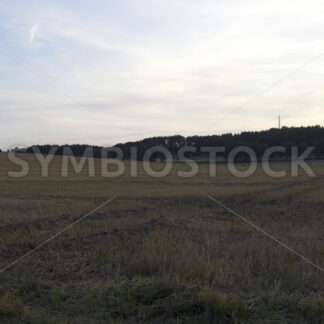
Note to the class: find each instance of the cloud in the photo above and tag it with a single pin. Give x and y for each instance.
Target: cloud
(157, 67)
(33, 31)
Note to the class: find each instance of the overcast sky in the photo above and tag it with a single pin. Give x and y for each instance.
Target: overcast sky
(102, 72)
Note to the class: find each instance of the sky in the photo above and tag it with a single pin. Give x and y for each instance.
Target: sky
(104, 72)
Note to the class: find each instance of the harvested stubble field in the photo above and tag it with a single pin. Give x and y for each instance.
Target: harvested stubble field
(161, 252)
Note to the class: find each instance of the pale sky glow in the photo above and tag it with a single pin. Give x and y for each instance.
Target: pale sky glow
(102, 72)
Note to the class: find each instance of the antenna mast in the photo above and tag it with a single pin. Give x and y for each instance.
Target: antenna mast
(279, 126)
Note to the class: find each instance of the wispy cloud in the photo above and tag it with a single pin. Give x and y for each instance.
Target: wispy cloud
(33, 32)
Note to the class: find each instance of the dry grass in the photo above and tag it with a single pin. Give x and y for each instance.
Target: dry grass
(162, 252)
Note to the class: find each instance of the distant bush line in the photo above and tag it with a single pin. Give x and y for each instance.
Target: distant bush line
(259, 141)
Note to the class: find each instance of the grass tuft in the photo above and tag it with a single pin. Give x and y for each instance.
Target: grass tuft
(11, 307)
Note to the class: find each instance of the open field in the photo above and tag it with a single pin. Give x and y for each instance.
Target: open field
(161, 252)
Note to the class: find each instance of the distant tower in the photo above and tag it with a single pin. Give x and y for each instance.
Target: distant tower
(279, 126)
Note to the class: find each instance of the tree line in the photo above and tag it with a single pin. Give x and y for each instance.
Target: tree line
(259, 141)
